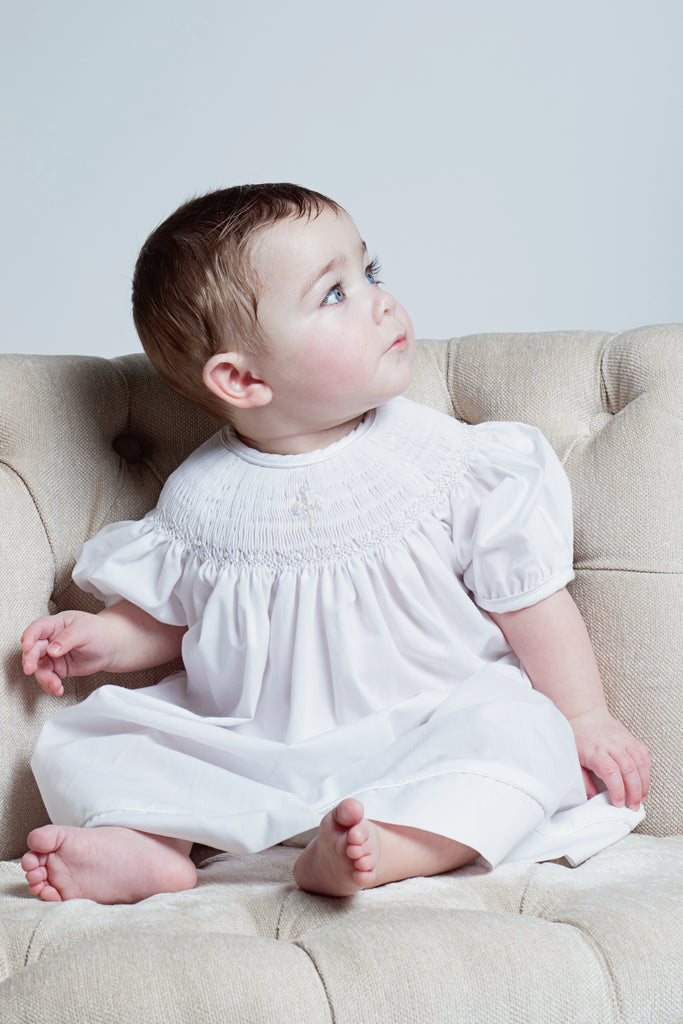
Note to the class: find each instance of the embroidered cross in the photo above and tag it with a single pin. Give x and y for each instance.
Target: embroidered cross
(308, 506)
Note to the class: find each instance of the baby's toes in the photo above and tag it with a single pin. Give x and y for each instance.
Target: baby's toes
(46, 892)
(367, 862)
(358, 834)
(36, 875)
(30, 861)
(38, 884)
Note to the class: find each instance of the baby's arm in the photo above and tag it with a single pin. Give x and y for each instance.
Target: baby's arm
(552, 642)
(121, 638)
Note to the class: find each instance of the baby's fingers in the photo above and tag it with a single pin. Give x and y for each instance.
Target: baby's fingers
(607, 769)
(589, 783)
(626, 776)
(31, 656)
(43, 654)
(48, 672)
(635, 768)
(50, 680)
(60, 642)
(37, 638)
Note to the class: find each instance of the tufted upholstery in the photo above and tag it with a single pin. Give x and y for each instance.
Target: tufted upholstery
(84, 441)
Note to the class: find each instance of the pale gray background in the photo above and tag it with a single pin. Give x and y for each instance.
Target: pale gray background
(516, 164)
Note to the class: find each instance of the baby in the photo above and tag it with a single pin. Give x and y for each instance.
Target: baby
(368, 597)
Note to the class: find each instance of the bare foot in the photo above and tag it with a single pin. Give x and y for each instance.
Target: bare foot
(352, 852)
(107, 864)
(343, 856)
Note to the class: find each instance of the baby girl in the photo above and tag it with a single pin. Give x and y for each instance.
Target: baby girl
(368, 597)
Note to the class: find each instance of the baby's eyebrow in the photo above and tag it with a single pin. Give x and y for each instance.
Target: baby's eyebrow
(333, 264)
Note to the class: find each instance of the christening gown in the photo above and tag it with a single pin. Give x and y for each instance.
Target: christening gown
(339, 644)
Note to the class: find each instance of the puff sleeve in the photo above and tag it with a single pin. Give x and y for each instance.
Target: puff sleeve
(515, 540)
(140, 562)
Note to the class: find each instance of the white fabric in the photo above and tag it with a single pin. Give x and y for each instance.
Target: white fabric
(334, 649)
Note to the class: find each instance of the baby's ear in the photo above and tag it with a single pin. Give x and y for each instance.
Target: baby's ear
(229, 375)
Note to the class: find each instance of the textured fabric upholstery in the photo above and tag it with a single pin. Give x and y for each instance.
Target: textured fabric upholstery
(85, 441)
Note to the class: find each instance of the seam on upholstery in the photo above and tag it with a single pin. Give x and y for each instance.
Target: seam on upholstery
(283, 905)
(572, 446)
(29, 944)
(450, 361)
(528, 885)
(157, 476)
(124, 381)
(37, 508)
(333, 1017)
(600, 957)
(606, 400)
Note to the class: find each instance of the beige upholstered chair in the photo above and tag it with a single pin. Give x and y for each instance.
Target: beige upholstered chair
(84, 441)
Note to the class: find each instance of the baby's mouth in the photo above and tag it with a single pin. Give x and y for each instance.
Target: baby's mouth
(400, 343)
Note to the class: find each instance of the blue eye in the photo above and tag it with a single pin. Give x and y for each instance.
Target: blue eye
(372, 272)
(334, 296)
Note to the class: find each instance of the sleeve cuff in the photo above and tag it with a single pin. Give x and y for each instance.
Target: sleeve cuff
(513, 602)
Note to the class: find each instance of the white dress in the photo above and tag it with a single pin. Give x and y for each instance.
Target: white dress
(338, 645)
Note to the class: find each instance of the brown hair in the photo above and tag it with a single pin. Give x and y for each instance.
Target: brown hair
(194, 287)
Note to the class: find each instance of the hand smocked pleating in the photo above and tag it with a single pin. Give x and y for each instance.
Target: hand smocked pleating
(498, 489)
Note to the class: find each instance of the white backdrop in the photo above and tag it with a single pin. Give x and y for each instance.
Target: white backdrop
(515, 165)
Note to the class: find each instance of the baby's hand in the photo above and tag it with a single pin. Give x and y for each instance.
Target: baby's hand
(69, 644)
(607, 749)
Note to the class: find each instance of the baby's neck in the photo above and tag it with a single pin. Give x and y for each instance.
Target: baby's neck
(298, 443)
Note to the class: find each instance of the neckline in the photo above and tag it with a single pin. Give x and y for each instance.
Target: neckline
(243, 451)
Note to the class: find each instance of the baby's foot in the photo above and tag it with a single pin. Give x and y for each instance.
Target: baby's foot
(107, 864)
(344, 856)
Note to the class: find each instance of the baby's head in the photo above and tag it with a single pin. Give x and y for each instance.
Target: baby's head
(195, 287)
(259, 304)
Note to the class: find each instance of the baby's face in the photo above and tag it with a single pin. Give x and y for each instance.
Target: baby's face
(338, 344)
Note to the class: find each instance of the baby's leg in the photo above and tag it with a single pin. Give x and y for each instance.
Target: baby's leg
(106, 864)
(352, 852)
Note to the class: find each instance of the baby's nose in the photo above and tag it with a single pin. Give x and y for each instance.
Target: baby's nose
(384, 303)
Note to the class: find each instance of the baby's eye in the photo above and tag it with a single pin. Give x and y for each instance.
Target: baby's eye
(372, 272)
(334, 296)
